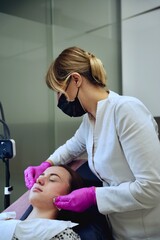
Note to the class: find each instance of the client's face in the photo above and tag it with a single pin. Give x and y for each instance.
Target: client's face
(52, 183)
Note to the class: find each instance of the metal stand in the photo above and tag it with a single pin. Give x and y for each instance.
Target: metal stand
(8, 189)
(7, 151)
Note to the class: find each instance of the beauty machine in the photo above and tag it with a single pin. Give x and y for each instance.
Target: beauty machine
(7, 151)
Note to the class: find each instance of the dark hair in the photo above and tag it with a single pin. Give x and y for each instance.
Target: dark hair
(76, 181)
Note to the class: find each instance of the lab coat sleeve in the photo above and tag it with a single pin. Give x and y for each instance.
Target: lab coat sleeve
(73, 148)
(138, 138)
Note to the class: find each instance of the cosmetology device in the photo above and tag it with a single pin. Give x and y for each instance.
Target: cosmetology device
(7, 151)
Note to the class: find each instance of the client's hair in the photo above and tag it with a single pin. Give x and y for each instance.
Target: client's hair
(76, 182)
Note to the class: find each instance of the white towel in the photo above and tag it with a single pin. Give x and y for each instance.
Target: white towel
(7, 228)
(36, 229)
(7, 215)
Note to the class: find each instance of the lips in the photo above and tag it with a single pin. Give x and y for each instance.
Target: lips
(36, 189)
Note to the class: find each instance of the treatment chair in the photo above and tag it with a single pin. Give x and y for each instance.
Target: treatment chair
(92, 224)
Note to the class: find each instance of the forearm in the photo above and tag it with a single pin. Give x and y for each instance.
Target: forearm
(128, 196)
(67, 152)
(73, 148)
(50, 161)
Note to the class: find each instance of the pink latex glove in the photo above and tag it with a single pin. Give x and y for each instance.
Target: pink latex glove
(32, 173)
(78, 200)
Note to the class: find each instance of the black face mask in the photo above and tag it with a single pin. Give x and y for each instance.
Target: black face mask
(71, 108)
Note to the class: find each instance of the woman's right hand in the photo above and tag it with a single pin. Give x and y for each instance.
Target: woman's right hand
(32, 173)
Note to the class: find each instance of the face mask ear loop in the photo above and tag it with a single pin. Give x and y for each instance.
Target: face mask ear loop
(79, 100)
(77, 93)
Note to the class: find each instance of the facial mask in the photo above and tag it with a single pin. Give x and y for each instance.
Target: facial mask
(71, 108)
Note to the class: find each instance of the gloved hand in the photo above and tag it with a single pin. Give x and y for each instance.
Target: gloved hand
(78, 200)
(32, 173)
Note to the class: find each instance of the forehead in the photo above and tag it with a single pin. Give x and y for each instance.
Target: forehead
(60, 171)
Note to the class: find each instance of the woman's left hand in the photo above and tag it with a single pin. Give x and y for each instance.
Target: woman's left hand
(78, 200)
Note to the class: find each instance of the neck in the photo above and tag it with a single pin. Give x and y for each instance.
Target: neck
(43, 213)
(92, 97)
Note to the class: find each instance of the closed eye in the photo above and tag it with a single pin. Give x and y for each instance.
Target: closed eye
(52, 180)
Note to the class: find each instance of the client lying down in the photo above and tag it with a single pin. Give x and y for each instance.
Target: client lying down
(42, 222)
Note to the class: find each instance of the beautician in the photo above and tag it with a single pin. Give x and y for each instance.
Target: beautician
(121, 138)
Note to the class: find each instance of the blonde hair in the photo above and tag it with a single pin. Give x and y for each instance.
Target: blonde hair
(75, 59)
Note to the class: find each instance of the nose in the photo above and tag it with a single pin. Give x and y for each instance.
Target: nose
(41, 180)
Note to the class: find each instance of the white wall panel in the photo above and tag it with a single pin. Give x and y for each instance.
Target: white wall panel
(141, 59)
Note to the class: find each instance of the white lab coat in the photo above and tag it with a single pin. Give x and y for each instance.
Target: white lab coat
(124, 152)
